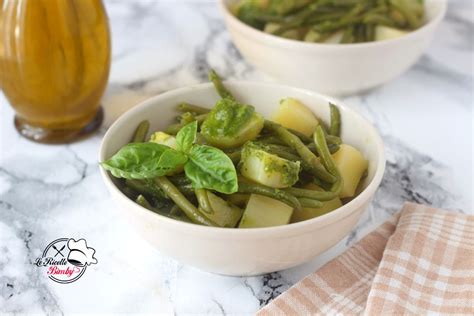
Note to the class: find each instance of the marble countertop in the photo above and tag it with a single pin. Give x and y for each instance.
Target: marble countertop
(48, 192)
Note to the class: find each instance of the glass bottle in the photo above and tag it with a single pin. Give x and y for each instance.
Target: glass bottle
(54, 66)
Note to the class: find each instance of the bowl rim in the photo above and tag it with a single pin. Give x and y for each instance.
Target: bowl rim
(291, 43)
(288, 230)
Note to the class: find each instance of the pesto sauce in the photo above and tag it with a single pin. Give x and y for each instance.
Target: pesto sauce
(227, 118)
(288, 170)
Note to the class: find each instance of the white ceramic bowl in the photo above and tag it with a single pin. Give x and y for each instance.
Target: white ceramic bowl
(245, 251)
(334, 69)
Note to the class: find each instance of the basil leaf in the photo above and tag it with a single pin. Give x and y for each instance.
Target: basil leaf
(210, 168)
(186, 137)
(144, 161)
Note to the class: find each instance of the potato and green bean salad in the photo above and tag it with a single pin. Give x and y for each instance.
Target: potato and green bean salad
(230, 167)
(332, 21)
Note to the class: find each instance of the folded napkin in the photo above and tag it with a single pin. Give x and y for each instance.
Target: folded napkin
(419, 262)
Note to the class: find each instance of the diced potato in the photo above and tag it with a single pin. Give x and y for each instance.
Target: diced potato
(271, 27)
(312, 36)
(383, 33)
(267, 169)
(351, 165)
(167, 140)
(335, 38)
(163, 139)
(225, 215)
(295, 115)
(295, 34)
(263, 211)
(309, 212)
(230, 124)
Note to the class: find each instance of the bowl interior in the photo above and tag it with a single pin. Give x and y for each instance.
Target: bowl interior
(161, 111)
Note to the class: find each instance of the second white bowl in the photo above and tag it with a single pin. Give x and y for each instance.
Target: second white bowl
(335, 69)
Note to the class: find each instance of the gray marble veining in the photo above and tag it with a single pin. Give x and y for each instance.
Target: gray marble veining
(47, 192)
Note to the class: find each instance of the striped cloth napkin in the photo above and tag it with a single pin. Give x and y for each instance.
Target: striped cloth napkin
(419, 262)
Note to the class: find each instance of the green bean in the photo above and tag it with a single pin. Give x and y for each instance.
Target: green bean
(145, 187)
(310, 203)
(186, 118)
(179, 180)
(175, 210)
(277, 194)
(270, 140)
(311, 194)
(182, 202)
(140, 133)
(130, 193)
(188, 107)
(348, 35)
(220, 88)
(173, 129)
(381, 19)
(306, 155)
(296, 21)
(203, 201)
(327, 159)
(234, 156)
(335, 127)
(332, 148)
(333, 139)
(282, 148)
(239, 199)
(370, 32)
(305, 139)
(143, 202)
(324, 153)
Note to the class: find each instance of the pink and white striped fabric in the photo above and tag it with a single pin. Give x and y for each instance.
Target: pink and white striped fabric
(419, 262)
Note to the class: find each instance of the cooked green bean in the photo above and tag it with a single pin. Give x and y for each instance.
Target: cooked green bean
(145, 187)
(174, 128)
(306, 155)
(305, 139)
(188, 107)
(220, 88)
(327, 159)
(270, 140)
(335, 127)
(310, 203)
(141, 200)
(140, 133)
(277, 194)
(332, 148)
(311, 194)
(182, 202)
(204, 204)
(333, 140)
(234, 156)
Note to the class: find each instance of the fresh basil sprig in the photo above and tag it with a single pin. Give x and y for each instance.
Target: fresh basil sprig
(207, 167)
(186, 137)
(144, 161)
(210, 168)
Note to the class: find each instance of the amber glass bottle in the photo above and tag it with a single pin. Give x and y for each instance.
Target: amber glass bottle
(54, 65)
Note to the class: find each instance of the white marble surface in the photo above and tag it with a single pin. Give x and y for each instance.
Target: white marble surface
(48, 192)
